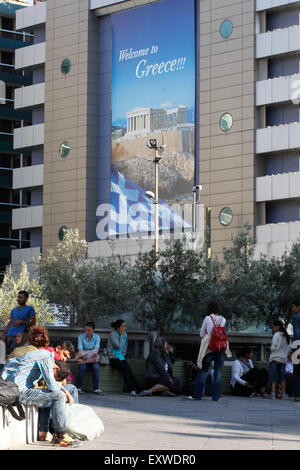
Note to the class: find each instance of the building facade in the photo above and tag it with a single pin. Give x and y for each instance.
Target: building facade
(10, 119)
(245, 115)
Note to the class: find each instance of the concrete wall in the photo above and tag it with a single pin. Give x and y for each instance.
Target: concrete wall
(227, 85)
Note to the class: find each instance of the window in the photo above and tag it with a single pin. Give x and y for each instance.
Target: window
(225, 216)
(226, 122)
(226, 29)
(61, 232)
(64, 149)
(65, 66)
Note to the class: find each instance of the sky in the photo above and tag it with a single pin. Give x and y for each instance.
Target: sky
(169, 26)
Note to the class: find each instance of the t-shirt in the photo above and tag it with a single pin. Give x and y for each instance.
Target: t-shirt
(24, 314)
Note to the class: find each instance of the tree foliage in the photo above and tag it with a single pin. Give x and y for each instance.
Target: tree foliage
(83, 290)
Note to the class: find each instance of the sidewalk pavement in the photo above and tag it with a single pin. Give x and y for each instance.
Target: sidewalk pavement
(174, 423)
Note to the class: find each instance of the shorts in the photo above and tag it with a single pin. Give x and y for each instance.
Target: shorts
(276, 372)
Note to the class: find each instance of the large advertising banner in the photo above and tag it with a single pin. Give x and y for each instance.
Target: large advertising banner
(153, 97)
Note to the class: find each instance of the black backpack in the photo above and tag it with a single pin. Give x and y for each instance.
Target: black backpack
(10, 397)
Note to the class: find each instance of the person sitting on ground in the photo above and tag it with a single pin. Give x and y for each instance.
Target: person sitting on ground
(89, 345)
(278, 357)
(21, 318)
(159, 372)
(26, 371)
(247, 380)
(117, 345)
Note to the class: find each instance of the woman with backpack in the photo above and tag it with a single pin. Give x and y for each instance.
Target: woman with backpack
(278, 358)
(213, 347)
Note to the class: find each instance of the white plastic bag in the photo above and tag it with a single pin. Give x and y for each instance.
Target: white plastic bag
(83, 423)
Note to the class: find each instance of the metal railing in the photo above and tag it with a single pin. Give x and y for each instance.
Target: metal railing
(9, 68)
(15, 35)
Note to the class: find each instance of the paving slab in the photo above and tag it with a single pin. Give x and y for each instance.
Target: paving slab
(164, 423)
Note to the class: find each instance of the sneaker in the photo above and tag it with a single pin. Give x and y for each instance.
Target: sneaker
(64, 440)
(80, 391)
(133, 393)
(145, 393)
(98, 392)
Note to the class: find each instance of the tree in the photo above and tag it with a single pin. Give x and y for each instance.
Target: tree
(58, 272)
(177, 291)
(83, 290)
(105, 289)
(247, 288)
(9, 289)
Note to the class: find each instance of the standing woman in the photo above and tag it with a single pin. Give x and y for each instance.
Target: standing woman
(212, 319)
(117, 344)
(88, 348)
(278, 358)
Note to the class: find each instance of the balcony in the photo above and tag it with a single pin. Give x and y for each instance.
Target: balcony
(275, 239)
(30, 136)
(281, 41)
(24, 254)
(28, 177)
(30, 56)
(30, 96)
(27, 18)
(278, 90)
(275, 187)
(262, 5)
(274, 139)
(27, 217)
(11, 40)
(6, 142)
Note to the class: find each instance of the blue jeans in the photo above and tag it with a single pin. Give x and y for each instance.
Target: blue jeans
(45, 413)
(45, 398)
(199, 381)
(82, 371)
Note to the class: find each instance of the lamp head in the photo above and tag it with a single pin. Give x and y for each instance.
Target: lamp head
(152, 143)
(150, 195)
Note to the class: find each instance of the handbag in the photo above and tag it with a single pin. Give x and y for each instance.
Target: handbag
(89, 359)
(105, 356)
(9, 397)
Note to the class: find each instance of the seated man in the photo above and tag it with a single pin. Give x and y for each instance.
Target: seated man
(60, 373)
(26, 371)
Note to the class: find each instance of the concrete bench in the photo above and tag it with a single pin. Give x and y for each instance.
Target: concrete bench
(111, 381)
(14, 432)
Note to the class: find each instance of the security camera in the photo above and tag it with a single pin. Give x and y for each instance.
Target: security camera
(198, 187)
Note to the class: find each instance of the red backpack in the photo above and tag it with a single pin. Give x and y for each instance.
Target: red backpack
(218, 338)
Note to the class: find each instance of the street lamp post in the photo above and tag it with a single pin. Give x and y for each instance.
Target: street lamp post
(196, 190)
(153, 145)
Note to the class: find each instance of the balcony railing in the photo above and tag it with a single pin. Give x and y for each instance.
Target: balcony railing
(9, 68)
(16, 36)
